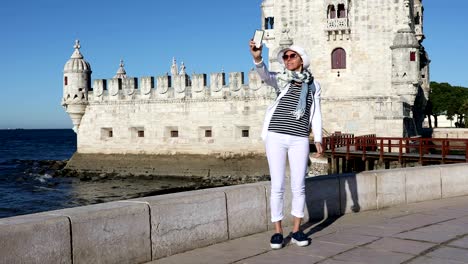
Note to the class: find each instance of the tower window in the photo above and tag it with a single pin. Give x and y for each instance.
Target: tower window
(208, 133)
(269, 22)
(341, 11)
(245, 133)
(65, 81)
(331, 12)
(412, 56)
(106, 133)
(137, 132)
(417, 19)
(338, 58)
(174, 133)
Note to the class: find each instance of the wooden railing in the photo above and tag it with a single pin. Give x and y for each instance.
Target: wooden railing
(421, 148)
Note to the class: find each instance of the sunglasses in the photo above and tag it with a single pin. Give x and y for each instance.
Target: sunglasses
(290, 56)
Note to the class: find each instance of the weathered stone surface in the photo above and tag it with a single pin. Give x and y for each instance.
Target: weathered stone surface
(191, 166)
(35, 238)
(344, 246)
(427, 260)
(322, 249)
(463, 243)
(400, 245)
(116, 232)
(454, 180)
(358, 192)
(390, 187)
(223, 253)
(446, 253)
(347, 239)
(422, 184)
(246, 209)
(366, 255)
(323, 197)
(184, 221)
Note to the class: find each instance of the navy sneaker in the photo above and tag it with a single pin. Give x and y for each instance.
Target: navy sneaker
(299, 238)
(276, 241)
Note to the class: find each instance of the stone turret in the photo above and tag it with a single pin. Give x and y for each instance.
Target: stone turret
(406, 73)
(76, 84)
(121, 73)
(406, 76)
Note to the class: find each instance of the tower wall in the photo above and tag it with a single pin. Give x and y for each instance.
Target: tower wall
(360, 98)
(171, 117)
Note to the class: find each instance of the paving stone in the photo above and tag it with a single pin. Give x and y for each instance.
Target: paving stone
(367, 255)
(413, 221)
(347, 238)
(320, 249)
(460, 243)
(461, 223)
(426, 260)
(227, 252)
(374, 231)
(448, 212)
(444, 228)
(450, 254)
(437, 237)
(435, 233)
(334, 261)
(400, 245)
(281, 256)
(460, 220)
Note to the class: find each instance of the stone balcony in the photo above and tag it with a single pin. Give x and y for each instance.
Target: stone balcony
(337, 24)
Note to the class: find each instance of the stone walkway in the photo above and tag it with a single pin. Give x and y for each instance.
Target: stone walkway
(433, 232)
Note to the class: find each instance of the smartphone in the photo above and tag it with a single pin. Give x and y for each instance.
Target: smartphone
(258, 38)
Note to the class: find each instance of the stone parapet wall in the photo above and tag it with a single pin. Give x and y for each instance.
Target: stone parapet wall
(180, 86)
(380, 115)
(145, 229)
(215, 126)
(450, 133)
(225, 119)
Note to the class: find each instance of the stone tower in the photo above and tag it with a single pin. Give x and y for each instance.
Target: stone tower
(367, 55)
(76, 84)
(406, 77)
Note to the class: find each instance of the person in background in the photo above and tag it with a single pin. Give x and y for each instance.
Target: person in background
(286, 129)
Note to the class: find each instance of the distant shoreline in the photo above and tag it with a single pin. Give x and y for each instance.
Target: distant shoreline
(12, 129)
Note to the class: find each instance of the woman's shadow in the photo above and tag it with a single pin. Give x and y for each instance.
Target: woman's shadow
(328, 197)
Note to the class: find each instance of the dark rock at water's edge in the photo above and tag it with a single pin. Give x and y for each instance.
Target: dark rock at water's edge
(38, 167)
(60, 169)
(214, 168)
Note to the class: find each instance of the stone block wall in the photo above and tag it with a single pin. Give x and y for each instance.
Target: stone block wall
(360, 98)
(145, 229)
(184, 117)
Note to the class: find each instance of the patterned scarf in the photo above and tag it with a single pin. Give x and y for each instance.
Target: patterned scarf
(284, 80)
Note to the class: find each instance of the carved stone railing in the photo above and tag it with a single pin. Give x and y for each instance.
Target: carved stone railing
(181, 86)
(337, 24)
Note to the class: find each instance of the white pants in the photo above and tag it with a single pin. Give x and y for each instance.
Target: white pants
(278, 147)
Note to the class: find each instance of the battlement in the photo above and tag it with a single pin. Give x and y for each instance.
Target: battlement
(180, 86)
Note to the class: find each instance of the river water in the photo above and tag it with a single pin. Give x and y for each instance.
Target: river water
(26, 187)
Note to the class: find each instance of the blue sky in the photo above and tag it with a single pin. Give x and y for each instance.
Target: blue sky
(38, 37)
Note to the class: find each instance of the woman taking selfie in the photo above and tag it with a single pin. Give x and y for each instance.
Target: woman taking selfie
(286, 129)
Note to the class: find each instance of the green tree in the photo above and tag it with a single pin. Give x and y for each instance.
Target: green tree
(448, 100)
(438, 100)
(464, 110)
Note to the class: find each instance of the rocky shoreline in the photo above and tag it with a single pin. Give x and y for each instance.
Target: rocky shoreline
(57, 169)
(91, 187)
